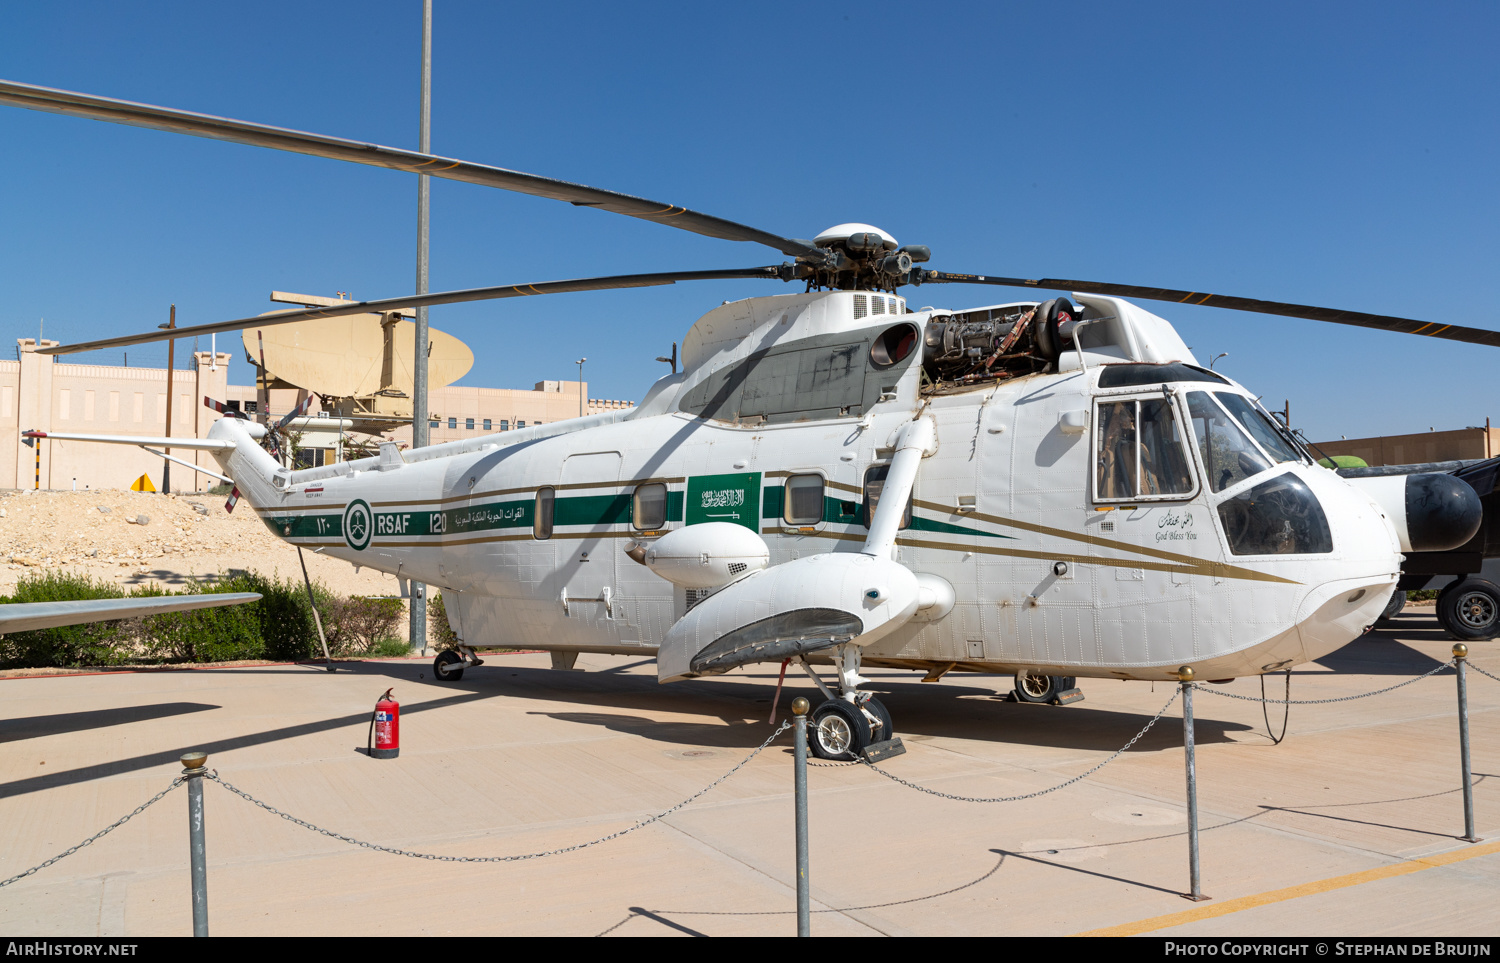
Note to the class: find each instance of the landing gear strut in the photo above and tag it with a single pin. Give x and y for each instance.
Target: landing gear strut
(450, 664)
(849, 723)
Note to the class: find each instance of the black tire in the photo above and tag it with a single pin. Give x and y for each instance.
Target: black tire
(887, 728)
(1393, 607)
(1470, 610)
(448, 666)
(838, 730)
(1041, 688)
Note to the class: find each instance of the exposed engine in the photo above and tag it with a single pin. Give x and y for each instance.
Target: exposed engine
(995, 344)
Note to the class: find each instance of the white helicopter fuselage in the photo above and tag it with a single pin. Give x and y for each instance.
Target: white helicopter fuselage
(1038, 547)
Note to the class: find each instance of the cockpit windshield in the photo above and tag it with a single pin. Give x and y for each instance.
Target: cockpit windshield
(1229, 456)
(1259, 426)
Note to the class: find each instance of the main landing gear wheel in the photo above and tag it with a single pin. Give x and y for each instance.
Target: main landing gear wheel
(838, 730)
(886, 728)
(1470, 609)
(1031, 687)
(448, 666)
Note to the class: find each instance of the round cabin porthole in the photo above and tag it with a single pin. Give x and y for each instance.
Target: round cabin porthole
(893, 345)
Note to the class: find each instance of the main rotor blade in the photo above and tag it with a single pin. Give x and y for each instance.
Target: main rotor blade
(278, 138)
(771, 272)
(1380, 322)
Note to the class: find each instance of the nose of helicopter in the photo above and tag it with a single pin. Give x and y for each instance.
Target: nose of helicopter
(1360, 576)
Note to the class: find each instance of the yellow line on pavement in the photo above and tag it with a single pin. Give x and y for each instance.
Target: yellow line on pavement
(1208, 911)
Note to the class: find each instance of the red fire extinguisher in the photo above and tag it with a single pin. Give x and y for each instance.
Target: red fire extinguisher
(384, 740)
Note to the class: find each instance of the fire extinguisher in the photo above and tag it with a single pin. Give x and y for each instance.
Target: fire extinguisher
(384, 740)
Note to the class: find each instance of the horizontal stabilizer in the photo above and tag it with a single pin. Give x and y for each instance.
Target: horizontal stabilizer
(26, 616)
(194, 444)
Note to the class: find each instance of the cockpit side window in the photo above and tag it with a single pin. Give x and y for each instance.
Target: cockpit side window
(1229, 456)
(1142, 451)
(1259, 426)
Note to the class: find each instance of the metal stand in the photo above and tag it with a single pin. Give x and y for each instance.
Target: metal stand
(194, 765)
(313, 604)
(1195, 892)
(799, 768)
(1460, 655)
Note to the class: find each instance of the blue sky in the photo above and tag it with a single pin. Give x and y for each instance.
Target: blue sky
(1333, 154)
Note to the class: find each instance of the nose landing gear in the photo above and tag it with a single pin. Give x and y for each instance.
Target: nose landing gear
(854, 723)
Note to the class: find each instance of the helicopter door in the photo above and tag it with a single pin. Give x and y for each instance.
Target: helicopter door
(588, 509)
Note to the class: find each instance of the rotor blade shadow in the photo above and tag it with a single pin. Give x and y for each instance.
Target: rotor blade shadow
(36, 727)
(1086, 872)
(21, 787)
(639, 911)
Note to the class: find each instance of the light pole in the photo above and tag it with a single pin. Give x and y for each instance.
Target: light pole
(580, 386)
(419, 436)
(1222, 354)
(166, 465)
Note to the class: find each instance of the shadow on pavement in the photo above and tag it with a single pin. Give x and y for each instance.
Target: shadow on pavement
(35, 727)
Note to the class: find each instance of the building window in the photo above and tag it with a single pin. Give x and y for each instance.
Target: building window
(452, 422)
(504, 424)
(541, 525)
(804, 500)
(486, 424)
(520, 424)
(649, 511)
(469, 424)
(433, 423)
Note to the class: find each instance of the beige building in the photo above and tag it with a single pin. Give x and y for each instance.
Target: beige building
(1459, 444)
(36, 392)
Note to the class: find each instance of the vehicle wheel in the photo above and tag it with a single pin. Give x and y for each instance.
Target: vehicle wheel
(1470, 610)
(886, 729)
(1393, 607)
(1031, 687)
(838, 730)
(448, 666)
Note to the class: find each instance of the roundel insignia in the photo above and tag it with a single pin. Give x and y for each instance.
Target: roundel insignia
(359, 522)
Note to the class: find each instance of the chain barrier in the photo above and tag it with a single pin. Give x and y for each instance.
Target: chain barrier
(1041, 792)
(101, 833)
(494, 859)
(1482, 672)
(1318, 702)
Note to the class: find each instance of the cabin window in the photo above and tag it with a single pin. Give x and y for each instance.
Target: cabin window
(541, 524)
(804, 500)
(874, 484)
(1229, 456)
(1142, 452)
(649, 507)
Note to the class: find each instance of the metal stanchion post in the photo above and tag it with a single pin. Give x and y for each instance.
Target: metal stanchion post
(194, 765)
(1460, 656)
(1185, 676)
(799, 769)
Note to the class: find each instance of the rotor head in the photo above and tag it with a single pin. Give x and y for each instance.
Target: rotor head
(857, 256)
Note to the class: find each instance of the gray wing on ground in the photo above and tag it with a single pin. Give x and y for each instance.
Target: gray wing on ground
(26, 616)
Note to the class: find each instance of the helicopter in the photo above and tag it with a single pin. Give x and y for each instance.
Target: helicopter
(1052, 488)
